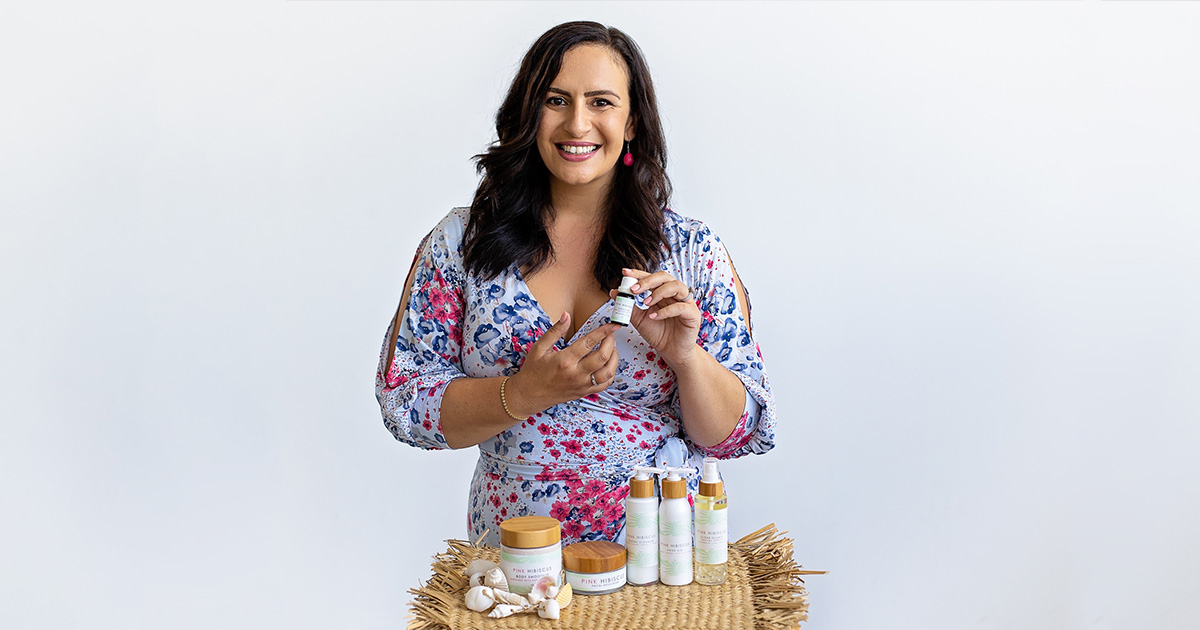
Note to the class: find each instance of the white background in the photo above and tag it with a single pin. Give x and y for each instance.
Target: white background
(969, 230)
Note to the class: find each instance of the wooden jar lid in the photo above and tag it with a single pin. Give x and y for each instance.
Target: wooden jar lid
(530, 532)
(710, 489)
(593, 556)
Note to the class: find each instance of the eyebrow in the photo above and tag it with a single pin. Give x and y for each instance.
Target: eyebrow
(585, 94)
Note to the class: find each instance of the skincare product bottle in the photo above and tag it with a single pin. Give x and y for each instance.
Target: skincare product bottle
(623, 304)
(675, 530)
(641, 527)
(712, 527)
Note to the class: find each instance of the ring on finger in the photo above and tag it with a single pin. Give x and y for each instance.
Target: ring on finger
(593, 377)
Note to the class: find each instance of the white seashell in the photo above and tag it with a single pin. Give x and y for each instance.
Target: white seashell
(496, 579)
(504, 610)
(481, 598)
(480, 566)
(541, 590)
(505, 597)
(477, 580)
(548, 609)
(552, 592)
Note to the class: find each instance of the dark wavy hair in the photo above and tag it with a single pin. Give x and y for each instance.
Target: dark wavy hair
(507, 223)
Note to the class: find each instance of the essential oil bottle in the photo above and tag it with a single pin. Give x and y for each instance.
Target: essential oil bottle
(712, 527)
(623, 304)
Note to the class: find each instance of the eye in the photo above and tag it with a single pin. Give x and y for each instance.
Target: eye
(601, 102)
(556, 101)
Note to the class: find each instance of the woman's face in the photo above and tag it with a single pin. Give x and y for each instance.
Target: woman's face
(585, 119)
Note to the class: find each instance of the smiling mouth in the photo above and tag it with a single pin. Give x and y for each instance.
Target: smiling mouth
(578, 149)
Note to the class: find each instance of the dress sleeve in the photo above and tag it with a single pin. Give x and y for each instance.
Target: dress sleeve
(728, 337)
(428, 345)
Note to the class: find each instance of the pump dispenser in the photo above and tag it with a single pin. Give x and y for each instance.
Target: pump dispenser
(712, 527)
(675, 530)
(641, 527)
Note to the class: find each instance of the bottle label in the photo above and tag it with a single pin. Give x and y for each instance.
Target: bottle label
(622, 310)
(675, 550)
(712, 536)
(591, 582)
(524, 568)
(641, 538)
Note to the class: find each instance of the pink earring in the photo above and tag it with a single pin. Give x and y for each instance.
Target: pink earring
(628, 159)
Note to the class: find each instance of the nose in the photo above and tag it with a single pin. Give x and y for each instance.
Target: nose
(580, 121)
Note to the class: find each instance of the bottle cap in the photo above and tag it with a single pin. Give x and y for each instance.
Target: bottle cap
(674, 486)
(641, 486)
(710, 481)
(626, 283)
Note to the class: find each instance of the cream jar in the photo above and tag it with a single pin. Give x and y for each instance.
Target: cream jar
(530, 549)
(595, 567)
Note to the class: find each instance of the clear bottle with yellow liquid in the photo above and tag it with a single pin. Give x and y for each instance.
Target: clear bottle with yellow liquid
(712, 527)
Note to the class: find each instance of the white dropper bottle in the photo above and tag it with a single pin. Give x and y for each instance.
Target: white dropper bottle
(641, 528)
(675, 530)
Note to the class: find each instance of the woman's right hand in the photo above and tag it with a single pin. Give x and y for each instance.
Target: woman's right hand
(550, 376)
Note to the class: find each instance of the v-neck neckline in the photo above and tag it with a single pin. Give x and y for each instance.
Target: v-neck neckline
(533, 298)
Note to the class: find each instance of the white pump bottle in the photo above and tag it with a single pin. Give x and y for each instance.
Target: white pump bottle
(641, 528)
(675, 530)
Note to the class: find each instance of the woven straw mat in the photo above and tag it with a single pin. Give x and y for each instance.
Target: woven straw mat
(763, 590)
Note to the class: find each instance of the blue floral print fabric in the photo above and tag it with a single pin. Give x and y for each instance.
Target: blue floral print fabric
(573, 460)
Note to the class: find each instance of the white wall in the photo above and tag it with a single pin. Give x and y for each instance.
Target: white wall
(969, 231)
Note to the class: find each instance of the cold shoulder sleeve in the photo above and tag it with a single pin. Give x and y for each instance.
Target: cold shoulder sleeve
(429, 342)
(724, 333)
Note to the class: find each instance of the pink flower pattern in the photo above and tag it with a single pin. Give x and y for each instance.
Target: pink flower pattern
(571, 461)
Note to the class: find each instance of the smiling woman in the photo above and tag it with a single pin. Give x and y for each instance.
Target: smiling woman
(587, 121)
(502, 339)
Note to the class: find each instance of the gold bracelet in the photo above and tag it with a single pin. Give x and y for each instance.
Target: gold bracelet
(504, 401)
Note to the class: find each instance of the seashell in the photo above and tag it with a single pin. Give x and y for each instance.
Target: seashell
(564, 596)
(480, 566)
(481, 598)
(505, 597)
(504, 610)
(476, 580)
(496, 579)
(549, 609)
(540, 590)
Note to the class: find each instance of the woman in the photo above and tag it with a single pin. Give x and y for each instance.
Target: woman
(502, 337)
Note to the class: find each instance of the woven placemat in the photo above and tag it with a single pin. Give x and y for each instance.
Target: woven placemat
(763, 590)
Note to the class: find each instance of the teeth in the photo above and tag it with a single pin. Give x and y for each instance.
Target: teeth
(577, 150)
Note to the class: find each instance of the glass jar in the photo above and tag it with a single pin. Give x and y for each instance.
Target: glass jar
(530, 549)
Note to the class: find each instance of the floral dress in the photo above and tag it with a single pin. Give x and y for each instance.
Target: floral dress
(572, 461)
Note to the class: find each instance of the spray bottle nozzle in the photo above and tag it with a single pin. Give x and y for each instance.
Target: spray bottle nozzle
(710, 471)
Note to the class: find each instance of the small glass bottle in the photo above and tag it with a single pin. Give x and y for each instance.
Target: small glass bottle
(623, 304)
(712, 527)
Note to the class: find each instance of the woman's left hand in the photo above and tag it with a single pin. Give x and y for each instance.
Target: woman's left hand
(672, 322)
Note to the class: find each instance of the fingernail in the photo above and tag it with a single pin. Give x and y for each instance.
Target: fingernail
(635, 288)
